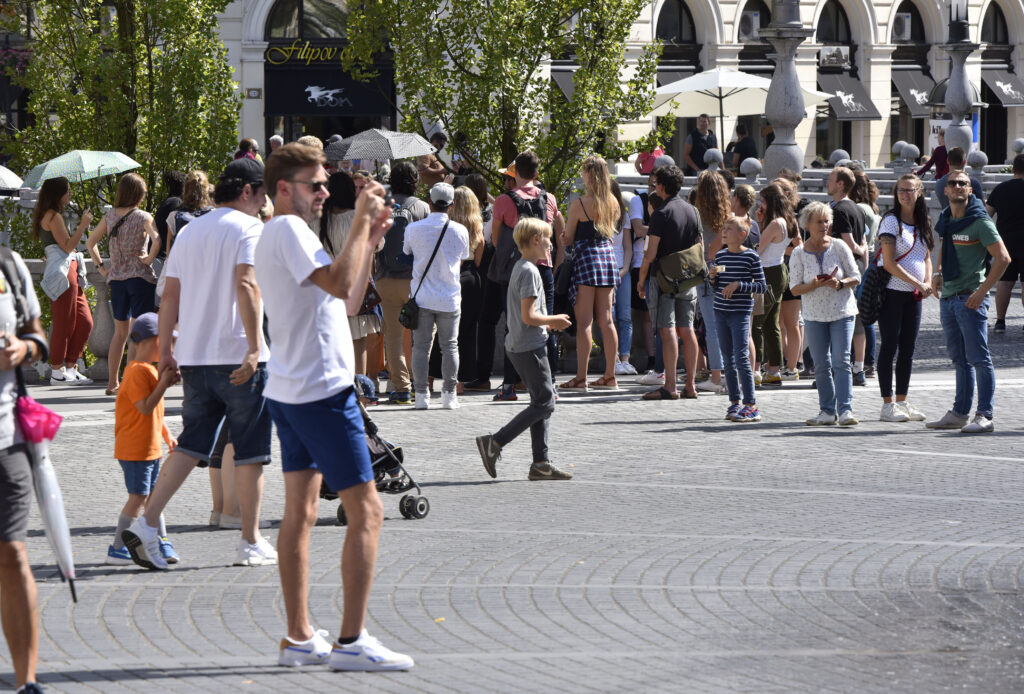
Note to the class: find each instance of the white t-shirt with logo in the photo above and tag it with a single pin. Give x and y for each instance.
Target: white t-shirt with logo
(204, 258)
(313, 354)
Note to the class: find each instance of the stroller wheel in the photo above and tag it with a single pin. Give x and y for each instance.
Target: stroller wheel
(406, 504)
(342, 518)
(421, 507)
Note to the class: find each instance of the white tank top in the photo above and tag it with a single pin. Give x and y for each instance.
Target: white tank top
(774, 252)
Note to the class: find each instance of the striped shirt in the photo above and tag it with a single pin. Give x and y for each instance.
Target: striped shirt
(743, 267)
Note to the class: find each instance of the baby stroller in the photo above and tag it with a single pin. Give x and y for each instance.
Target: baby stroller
(390, 475)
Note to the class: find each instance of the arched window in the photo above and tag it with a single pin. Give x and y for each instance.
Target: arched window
(764, 13)
(904, 31)
(308, 19)
(993, 28)
(675, 23)
(833, 26)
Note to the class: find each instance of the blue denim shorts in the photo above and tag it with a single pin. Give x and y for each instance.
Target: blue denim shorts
(140, 475)
(132, 297)
(327, 435)
(211, 402)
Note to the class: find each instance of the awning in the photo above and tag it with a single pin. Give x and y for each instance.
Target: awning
(914, 86)
(670, 75)
(314, 91)
(1007, 87)
(851, 100)
(563, 77)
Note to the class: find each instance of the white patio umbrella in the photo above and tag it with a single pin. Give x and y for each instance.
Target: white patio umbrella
(9, 180)
(721, 90)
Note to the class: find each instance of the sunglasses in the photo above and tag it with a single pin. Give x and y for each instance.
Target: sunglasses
(958, 183)
(317, 186)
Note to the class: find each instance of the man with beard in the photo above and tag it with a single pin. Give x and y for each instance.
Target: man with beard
(312, 401)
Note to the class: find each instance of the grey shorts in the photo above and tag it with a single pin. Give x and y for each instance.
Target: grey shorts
(15, 493)
(672, 310)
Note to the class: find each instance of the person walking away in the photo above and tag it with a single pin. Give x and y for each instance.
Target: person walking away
(675, 227)
(1006, 204)
(905, 246)
(174, 184)
(968, 235)
(312, 399)
(138, 428)
(130, 276)
(698, 142)
(779, 228)
(195, 202)
(212, 296)
(438, 246)
(63, 281)
(736, 275)
(24, 343)
(593, 221)
(712, 203)
(525, 343)
(824, 274)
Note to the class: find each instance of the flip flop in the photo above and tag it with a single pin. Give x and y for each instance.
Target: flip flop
(576, 385)
(689, 395)
(109, 391)
(660, 394)
(605, 383)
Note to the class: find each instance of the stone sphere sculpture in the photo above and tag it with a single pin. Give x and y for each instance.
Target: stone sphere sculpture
(714, 159)
(977, 160)
(1018, 145)
(910, 153)
(750, 167)
(897, 147)
(837, 156)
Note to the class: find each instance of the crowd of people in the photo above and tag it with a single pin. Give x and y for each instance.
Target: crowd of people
(321, 261)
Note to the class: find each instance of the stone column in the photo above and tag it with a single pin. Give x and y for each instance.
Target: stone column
(784, 107)
(958, 89)
(102, 326)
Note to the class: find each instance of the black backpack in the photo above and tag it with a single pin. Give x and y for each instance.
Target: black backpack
(506, 253)
(391, 261)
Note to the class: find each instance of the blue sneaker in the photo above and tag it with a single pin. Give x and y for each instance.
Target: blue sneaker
(118, 557)
(400, 397)
(749, 413)
(167, 551)
(732, 412)
(505, 394)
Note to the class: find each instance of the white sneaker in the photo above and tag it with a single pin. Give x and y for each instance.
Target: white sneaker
(59, 377)
(757, 378)
(707, 386)
(652, 378)
(266, 549)
(367, 654)
(980, 425)
(76, 377)
(893, 412)
(915, 414)
(143, 543)
(628, 369)
(215, 519)
(314, 651)
(847, 419)
(422, 401)
(449, 401)
(822, 420)
(252, 555)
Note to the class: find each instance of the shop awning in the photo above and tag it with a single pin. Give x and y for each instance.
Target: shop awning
(563, 77)
(316, 91)
(914, 87)
(851, 100)
(670, 75)
(1007, 87)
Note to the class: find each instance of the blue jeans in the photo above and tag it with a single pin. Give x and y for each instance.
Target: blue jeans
(706, 299)
(967, 345)
(624, 317)
(830, 347)
(733, 329)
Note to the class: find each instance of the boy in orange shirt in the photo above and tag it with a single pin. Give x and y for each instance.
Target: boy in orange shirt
(138, 427)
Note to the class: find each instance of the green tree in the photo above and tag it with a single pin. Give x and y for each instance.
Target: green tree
(149, 78)
(479, 69)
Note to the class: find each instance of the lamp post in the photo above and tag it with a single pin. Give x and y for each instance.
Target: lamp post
(959, 132)
(784, 106)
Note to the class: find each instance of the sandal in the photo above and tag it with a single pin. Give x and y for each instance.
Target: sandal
(576, 385)
(605, 383)
(689, 395)
(660, 394)
(111, 391)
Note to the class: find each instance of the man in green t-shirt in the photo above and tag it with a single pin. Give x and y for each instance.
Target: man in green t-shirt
(968, 237)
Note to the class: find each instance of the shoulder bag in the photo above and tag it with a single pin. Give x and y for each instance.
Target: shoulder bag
(682, 270)
(871, 293)
(409, 314)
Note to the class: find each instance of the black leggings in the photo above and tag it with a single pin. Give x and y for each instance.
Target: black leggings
(899, 323)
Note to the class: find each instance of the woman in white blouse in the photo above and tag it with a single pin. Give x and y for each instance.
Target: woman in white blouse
(824, 275)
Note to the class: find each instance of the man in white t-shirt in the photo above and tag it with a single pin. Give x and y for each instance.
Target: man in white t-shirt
(438, 292)
(313, 402)
(211, 295)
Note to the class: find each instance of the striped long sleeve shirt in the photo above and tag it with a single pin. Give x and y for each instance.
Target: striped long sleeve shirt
(743, 267)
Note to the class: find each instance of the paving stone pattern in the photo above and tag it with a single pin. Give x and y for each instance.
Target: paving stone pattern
(688, 555)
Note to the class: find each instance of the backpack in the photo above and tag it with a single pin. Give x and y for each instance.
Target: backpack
(391, 260)
(183, 217)
(506, 253)
(13, 277)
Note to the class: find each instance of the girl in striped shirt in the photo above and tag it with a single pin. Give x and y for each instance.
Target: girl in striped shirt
(737, 275)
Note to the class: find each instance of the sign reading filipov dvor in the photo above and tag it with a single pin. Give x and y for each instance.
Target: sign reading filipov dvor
(303, 52)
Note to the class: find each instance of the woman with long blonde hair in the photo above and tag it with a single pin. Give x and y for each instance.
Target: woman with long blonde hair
(593, 221)
(714, 207)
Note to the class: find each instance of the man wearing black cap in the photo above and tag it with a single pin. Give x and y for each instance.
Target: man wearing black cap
(211, 293)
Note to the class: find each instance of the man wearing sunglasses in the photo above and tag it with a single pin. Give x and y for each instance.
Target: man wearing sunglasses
(968, 236)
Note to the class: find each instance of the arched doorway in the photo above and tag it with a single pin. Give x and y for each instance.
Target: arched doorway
(680, 58)
(911, 75)
(307, 91)
(1001, 89)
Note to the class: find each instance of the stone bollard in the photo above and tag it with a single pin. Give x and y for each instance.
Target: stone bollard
(751, 168)
(714, 159)
(977, 161)
(837, 156)
(1018, 145)
(910, 154)
(102, 326)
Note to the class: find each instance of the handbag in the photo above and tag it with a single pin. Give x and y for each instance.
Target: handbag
(371, 299)
(681, 270)
(871, 293)
(409, 314)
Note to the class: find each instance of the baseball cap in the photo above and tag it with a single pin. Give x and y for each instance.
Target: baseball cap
(442, 192)
(509, 170)
(248, 170)
(146, 326)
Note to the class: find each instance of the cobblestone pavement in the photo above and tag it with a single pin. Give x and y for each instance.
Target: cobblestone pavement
(688, 555)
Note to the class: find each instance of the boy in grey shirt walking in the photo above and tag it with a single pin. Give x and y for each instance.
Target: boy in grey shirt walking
(525, 345)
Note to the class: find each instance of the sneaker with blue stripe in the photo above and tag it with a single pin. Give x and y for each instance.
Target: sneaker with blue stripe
(733, 411)
(313, 651)
(749, 413)
(367, 654)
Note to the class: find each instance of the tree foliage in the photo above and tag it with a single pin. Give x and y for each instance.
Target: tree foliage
(149, 78)
(480, 69)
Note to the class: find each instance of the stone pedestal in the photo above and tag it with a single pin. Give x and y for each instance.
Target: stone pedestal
(959, 102)
(102, 326)
(784, 106)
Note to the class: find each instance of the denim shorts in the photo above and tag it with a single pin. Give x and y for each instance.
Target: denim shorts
(132, 297)
(140, 475)
(211, 402)
(327, 435)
